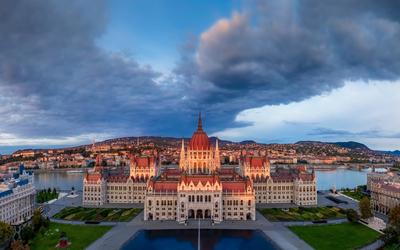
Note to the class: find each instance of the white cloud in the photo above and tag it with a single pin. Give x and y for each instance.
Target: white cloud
(7, 139)
(364, 111)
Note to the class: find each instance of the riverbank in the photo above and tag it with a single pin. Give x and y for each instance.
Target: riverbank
(60, 170)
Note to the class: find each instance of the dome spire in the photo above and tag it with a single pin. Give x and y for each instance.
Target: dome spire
(200, 123)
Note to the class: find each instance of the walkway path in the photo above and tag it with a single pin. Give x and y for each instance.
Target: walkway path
(375, 245)
(74, 222)
(306, 223)
(118, 235)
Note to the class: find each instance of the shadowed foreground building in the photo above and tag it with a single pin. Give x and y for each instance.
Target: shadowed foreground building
(200, 187)
(17, 197)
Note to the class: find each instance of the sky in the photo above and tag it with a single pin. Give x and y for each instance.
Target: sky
(272, 71)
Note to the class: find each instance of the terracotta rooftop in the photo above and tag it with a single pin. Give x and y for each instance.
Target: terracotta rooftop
(212, 179)
(235, 186)
(163, 186)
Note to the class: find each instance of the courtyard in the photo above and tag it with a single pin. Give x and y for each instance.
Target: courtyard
(303, 213)
(97, 214)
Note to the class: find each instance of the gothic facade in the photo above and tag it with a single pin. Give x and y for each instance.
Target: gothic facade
(200, 188)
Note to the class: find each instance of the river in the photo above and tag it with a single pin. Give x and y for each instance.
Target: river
(58, 179)
(340, 178)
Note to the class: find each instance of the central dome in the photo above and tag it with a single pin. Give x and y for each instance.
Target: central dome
(199, 139)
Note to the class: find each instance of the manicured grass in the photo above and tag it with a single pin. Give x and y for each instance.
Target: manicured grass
(338, 236)
(355, 194)
(80, 236)
(303, 213)
(97, 214)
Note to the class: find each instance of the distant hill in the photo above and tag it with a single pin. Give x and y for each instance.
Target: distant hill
(352, 145)
(310, 142)
(247, 142)
(349, 144)
(395, 152)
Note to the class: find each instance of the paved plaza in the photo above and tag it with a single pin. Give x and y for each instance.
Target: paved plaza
(278, 233)
(123, 231)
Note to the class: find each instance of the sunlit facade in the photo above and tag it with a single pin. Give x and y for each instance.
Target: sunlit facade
(200, 188)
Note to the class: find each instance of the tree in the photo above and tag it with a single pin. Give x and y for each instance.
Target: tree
(365, 208)
(6, 231)
(392, 232)
(391, 235)
(394, 215)
(18, 245)
(37, 220)
(352, 215)
(27, 234)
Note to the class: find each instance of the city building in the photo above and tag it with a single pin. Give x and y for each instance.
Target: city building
(101, 186)
(200, 188)
(381, 176)
(385, 191)
(17, 197)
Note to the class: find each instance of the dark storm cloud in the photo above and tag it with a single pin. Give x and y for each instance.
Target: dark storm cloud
(284, 51)
(55, 81)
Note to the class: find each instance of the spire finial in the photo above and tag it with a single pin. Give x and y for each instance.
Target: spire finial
(200, 123)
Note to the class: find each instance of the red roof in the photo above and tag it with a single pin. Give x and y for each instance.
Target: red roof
(235, 186)
(389, 186)
(93, 177)
(143, 161)
(255, 161)
(286, 176)
(212, 179)
(199, 139)
(163, 186)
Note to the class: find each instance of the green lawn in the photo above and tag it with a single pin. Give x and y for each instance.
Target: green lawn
(80, 236)
(339, 236)
(303, 213)
(355, 194)
(97, 214)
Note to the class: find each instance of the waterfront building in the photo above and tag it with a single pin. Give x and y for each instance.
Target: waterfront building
(101, 187)
(200, 188)
(385, 191)
(381, 176)
(17, 197)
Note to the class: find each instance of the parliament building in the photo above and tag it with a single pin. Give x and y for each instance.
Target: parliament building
(200, 188)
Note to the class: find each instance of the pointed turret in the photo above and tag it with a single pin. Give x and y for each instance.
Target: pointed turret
(200, 123)
(217, 157)
(182, 158)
